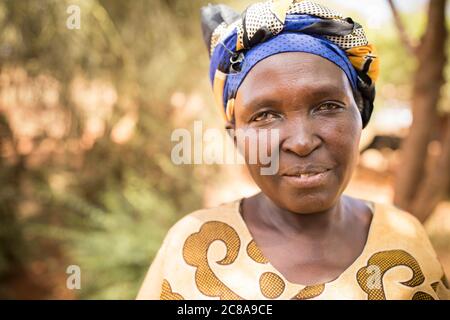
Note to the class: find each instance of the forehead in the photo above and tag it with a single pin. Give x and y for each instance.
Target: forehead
(293, 71)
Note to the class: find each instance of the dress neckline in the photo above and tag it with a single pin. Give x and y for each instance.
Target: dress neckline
(370, 235)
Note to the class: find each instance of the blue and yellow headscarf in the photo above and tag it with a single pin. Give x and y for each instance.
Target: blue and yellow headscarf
(238, 42)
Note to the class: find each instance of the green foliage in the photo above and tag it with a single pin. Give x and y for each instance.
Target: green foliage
(112, 203)
(113, 245)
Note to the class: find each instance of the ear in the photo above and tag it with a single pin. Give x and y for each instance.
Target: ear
(231, 127)
(214, 15)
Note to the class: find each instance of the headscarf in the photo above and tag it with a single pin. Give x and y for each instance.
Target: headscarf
(236, 43)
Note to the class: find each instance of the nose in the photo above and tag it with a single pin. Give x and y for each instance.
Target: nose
(301, 138)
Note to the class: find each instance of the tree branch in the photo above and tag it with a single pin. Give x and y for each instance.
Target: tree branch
(409, 44)
(427, 87)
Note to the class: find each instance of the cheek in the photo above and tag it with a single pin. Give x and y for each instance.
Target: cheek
(257, 146)
(342, 138)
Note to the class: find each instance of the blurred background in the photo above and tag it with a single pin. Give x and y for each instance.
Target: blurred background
(86, 115)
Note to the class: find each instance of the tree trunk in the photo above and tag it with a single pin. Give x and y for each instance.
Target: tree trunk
(435, 186)
(428, 81)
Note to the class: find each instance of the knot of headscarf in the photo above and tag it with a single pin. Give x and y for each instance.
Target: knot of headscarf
(238, 42)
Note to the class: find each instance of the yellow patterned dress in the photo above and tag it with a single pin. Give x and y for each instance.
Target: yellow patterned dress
(210, 254)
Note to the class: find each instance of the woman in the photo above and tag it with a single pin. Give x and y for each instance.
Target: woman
(305, 71)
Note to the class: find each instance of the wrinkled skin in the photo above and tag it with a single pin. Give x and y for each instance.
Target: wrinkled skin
(310, 101)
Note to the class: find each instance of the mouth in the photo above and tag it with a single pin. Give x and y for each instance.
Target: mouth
(307, 178)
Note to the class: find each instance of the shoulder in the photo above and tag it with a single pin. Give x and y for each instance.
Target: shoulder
(225, 212)
(402, 224)
(398, 239)
(398, 227)
(397, 231)
(215, 219)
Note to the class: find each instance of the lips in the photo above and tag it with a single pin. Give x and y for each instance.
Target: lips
(309, 176)
(306, 171)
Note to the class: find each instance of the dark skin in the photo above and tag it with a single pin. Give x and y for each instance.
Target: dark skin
(303, 224)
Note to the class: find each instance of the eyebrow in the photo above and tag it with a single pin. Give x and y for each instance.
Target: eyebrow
(273, 100)
(262, 102)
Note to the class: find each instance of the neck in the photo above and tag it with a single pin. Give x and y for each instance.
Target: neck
(311, 224)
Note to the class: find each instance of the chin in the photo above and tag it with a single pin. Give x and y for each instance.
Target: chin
(306, 203)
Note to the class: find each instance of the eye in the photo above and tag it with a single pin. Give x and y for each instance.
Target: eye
(329, 106)
(264, 116)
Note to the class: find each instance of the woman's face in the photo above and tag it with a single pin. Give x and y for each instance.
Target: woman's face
(309, 100)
